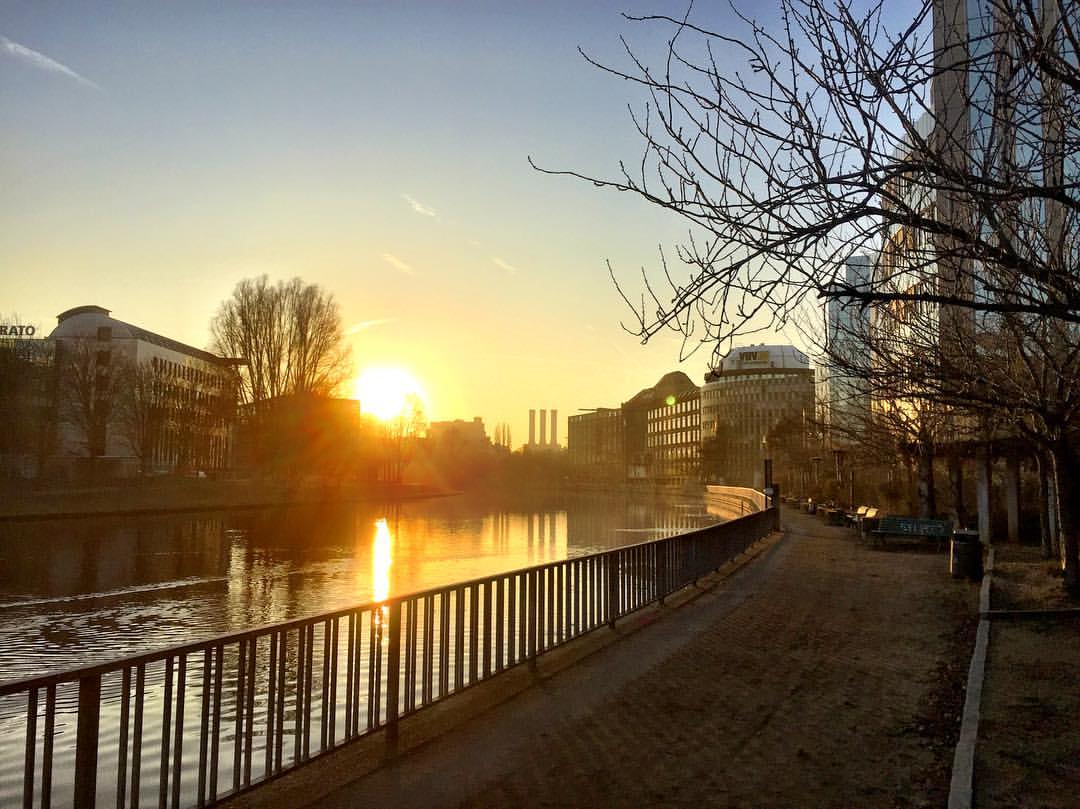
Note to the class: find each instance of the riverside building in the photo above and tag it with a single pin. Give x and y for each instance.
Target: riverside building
(130, 400)
(674, 438)
(753, 391)
(594, 445)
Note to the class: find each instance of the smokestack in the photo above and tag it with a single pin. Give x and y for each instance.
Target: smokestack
(543, 427)
(554, 428)
(532, 427)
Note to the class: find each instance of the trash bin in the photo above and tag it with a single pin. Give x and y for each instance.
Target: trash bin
(965, 555)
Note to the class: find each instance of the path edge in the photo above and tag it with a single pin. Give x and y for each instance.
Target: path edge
(962, 785)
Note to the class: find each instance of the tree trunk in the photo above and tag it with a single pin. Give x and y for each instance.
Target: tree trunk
(1045, 505)
(927, 498)
(956, 482)
(1066, 474)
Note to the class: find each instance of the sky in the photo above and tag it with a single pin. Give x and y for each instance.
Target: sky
(153, 155)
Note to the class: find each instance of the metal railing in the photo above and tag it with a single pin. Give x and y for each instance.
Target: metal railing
(192, 724)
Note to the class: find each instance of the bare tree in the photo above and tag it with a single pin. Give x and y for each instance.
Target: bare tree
(27, 400)
(93, 382)
(400, 432)
(832, 139)
(946, 147)
(145, 412)
(289, 334)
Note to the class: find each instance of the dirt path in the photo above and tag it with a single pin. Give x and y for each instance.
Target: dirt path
(822, 674)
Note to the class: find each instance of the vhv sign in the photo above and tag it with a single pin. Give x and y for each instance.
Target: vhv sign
(12, 330)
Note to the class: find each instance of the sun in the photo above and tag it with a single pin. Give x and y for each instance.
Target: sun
(384, 392)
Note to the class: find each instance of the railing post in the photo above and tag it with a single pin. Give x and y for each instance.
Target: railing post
(613, 587)
(532, 619)
(393, 662)
(86, 742)
(661, 570)
(393, 670)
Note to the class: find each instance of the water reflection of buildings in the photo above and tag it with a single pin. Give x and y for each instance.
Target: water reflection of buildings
(592, 525)
(105, 556)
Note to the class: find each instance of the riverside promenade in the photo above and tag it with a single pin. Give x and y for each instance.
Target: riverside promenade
(816, 672)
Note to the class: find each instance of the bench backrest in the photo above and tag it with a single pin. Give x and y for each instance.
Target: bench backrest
(915, 526)
(861, 511)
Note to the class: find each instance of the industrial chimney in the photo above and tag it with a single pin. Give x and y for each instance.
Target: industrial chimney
(554, 428)
(543, 427)
(532, 428)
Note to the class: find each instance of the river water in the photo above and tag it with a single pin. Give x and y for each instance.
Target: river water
(76, 592)
(79, 592)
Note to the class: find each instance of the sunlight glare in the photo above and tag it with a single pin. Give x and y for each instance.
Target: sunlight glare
(384, 391)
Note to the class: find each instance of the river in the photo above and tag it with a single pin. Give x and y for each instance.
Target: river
(74, 592)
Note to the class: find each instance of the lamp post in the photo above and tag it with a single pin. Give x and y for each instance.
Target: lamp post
(769, 487)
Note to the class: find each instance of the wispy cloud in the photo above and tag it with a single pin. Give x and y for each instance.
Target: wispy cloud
(398, 264)
(40, 61)
(364, 325)
(418, 206)
(506, 265)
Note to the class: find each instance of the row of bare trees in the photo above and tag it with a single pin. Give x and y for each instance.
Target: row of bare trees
(945, 147)
(164, 422)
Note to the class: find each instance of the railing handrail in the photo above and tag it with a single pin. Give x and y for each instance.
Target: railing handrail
(117, 664)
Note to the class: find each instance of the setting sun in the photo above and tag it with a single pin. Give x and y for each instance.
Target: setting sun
(385, 392)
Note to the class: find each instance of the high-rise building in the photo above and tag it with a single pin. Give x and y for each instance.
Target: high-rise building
(843, 386)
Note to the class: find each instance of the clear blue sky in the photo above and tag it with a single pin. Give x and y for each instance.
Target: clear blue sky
(155, 154)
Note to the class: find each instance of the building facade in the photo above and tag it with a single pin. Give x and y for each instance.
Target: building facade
(594, 444)
(844, 390)
(459, 433)
(637, 454)
(135, 401)
(754, 394)
(674, 438)
(28, 403)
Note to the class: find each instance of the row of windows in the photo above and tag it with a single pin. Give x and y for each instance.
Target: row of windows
(772, 395)
(796, 376)
(683, 451)
(188, 373)
(691, 438)
(665, 425)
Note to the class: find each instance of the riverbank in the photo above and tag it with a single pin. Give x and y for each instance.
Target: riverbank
(172, 495)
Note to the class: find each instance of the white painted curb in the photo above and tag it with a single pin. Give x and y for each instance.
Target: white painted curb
(961, 789)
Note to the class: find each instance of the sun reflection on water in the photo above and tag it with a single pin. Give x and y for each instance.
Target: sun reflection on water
(381, 559)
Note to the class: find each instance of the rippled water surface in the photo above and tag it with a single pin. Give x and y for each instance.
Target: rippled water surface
(75, 592)
(80, 592)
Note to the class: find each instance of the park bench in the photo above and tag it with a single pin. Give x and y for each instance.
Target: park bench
(867, 522)
(836, 516)
(912, 528)
(856, 516)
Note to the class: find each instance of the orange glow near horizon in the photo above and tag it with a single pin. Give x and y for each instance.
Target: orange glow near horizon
(384, 391)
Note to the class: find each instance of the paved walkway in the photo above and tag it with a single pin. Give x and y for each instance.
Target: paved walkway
(823, 673)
